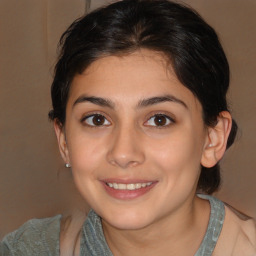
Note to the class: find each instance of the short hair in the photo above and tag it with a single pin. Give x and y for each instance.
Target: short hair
(189, 43)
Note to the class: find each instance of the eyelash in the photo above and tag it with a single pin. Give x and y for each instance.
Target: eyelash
(167, 118)
(84, 119)
(90, 117)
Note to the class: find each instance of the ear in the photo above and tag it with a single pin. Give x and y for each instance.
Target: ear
(216, 141)
(61, 138)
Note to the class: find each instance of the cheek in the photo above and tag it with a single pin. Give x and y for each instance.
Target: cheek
(180, 169)
(178, 155)
(86, 154)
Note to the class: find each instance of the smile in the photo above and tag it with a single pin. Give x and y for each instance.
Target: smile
(128, 190)
(132, 186)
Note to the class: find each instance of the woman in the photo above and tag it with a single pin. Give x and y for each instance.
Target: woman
(141, 117)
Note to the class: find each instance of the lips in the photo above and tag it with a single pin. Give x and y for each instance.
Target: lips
(127, 190)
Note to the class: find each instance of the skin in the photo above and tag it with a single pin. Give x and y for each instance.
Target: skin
(129, 145)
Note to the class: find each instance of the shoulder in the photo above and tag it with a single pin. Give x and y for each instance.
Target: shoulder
(70, 234)
(238, 235)
(35, 237)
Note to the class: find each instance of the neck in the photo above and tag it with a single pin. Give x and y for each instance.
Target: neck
(179, 233)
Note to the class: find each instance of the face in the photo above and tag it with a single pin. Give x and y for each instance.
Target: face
(135, 138)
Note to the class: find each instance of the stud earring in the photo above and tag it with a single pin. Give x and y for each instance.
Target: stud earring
(67, 165)
(210, 145)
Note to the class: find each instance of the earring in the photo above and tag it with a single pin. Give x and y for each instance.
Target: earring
(210, 145)
(67, 165)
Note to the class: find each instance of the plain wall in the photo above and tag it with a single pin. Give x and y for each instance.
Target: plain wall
(33, 180)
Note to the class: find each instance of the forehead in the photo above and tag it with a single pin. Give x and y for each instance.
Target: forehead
(132, 77)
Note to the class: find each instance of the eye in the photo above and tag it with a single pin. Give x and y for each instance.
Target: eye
(96, 120)
(159, 120)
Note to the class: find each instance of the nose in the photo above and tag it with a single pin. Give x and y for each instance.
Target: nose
(126, 148)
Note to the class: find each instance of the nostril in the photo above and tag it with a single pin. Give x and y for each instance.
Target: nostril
(125, 161)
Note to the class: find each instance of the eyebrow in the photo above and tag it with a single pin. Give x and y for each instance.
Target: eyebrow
(142, 103)
(160, 99)
(95, 100)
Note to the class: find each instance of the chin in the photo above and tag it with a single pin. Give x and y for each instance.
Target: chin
(128, 220)
(129, 225)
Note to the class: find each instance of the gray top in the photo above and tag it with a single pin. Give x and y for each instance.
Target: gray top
(214, 226)
(38, 237)
(41, 237)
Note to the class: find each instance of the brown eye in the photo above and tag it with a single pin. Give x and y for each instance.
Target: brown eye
(96, 120)
(159, 120)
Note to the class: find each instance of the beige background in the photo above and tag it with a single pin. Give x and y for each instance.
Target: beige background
(33, 181)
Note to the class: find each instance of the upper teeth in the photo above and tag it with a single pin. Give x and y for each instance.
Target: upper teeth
(132, 186)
